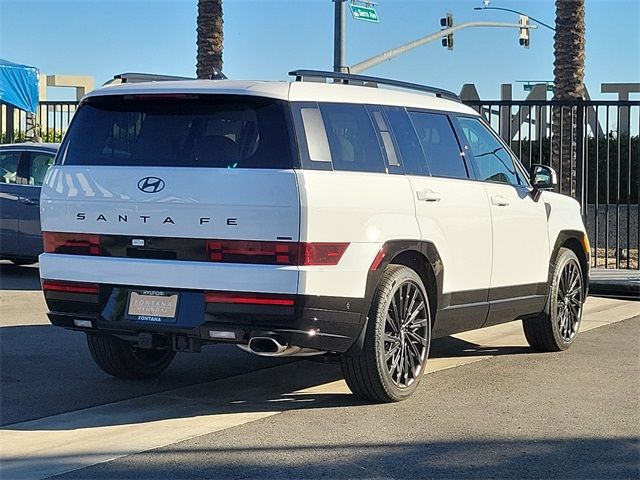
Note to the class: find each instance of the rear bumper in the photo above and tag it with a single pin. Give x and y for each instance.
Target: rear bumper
(191, 275)
(323, 323)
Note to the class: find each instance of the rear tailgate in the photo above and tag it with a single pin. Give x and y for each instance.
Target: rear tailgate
(156, 178)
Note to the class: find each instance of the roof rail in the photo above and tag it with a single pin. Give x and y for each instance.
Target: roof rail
(130, 77)
(347, 78)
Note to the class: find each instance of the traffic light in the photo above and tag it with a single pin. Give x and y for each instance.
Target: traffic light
(524, 31)
(447, 22)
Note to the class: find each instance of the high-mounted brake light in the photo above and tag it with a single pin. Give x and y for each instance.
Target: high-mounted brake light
(71, 243)
(238, 298)
(69, 287)
(275, 253)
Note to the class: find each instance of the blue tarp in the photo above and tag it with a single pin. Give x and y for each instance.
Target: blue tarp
(19, 85)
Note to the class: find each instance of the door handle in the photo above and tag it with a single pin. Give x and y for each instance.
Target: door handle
(428, 195)
(28, 201)
(499, 200)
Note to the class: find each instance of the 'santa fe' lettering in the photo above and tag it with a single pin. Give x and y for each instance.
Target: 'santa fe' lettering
(101, 217)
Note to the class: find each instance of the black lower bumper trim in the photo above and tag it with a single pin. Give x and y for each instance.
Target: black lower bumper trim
(308, 325)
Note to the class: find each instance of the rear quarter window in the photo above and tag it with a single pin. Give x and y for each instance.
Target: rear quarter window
(220, 131)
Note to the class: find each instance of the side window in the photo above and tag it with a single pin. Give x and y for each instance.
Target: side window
(408, 144)
(494, 163)
(9, 167)
(352, 138)
(393, 162)
(439, 144)
(40, 163)
(315, 134)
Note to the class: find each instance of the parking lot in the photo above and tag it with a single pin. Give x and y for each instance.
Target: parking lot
(489, 407)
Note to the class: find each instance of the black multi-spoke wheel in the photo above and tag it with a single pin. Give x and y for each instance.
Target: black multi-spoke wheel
(569, 300)
(406, 334)
(397, 339)
(557, 327)
(121, 359)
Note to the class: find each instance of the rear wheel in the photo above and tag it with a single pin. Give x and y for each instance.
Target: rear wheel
(556, 328)
(396, 344)
(121, 359)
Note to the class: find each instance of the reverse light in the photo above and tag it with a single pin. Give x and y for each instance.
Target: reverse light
(239, 298)
(71, 243)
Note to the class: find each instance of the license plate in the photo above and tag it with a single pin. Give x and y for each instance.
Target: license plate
(152, 306)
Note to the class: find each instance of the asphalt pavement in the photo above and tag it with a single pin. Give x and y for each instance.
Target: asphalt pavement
(569, 415)
(489, 407)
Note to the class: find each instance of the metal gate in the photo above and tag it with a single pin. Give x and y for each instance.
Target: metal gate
(605, 172)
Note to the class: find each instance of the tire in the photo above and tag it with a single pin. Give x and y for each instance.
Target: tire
(121, 359)
(391, 363)
(557, 327)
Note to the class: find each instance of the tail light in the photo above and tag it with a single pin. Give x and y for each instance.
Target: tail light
(71, 243)
(275, 253)
(321, 253)
(238, 298)
(239, 251)
(69, 287)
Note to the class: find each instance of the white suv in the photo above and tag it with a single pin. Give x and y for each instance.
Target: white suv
(301, 218)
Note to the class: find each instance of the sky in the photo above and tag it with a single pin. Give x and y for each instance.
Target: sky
(265, 39)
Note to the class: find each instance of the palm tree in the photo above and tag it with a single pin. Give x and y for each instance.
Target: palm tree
(210, 37)
(568, 85)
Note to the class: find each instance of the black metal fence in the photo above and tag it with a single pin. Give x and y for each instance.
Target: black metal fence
(605, 173)
(604, 177)
(51, 121)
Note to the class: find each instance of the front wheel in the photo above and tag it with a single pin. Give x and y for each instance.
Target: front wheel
(556, 328)
(396, 344)
(121, 359)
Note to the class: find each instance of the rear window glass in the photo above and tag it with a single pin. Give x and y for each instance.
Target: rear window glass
(224, 131)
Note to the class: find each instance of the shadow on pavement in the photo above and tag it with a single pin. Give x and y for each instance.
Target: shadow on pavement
(15, 277)
(49, 371)
(602, 458)
(455, 347)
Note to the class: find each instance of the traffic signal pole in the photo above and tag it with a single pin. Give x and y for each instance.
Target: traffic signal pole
(394, 52)
(339, 33)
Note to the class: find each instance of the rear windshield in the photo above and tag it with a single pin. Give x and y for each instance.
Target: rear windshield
(223, 131)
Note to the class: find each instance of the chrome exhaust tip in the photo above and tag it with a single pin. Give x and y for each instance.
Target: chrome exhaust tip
(267, 345)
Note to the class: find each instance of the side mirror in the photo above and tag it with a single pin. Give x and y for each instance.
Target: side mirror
(543, 177)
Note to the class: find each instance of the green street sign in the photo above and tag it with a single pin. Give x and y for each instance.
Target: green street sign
(367, 14)
(529, 86)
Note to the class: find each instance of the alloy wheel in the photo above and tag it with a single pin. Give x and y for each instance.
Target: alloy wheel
(569, 301)
(406, 334)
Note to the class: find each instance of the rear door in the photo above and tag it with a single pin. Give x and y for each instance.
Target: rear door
(36, 166)
(10, 187)
(520, 239)
(452, 212)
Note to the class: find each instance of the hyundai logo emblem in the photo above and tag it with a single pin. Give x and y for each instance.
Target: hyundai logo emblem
(151, 184)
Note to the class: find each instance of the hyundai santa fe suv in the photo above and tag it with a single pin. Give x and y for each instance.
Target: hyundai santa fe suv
(321, 216)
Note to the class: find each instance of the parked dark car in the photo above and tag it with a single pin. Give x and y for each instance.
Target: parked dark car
(23, 167)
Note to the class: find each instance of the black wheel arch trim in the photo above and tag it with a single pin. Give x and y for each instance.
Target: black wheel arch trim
(392, 250)
(583, 257)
